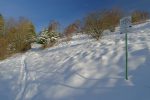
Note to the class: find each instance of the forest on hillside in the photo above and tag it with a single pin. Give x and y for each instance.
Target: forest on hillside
(16, 35)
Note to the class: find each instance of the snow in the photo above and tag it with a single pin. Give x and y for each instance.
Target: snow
(36, 46)
(83, 69)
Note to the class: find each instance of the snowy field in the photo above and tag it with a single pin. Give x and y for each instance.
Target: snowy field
(83, 69)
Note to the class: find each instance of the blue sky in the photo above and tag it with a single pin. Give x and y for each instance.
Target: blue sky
(41, 12)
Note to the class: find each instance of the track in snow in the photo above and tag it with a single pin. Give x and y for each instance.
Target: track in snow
(23, 78)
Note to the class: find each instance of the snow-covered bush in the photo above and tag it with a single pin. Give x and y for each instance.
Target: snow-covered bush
(47, 38)
(36, 46)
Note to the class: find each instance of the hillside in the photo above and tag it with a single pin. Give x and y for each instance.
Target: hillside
(83, 69)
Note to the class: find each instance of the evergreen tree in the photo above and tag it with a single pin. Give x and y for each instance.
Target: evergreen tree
(47, 38)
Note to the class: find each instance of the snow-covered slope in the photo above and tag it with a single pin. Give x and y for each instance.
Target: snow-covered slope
(83, 69)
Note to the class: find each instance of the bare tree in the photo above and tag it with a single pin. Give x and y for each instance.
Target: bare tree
(1, 25)
(70, 29)
(20, 34)
(53, 26)
(110, 18)
(93, 25)
(140, 16)
(3, 47)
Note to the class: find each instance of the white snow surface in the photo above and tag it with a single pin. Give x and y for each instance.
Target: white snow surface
(83, 69)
